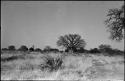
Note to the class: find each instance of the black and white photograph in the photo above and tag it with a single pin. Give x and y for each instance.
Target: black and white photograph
(62, 40)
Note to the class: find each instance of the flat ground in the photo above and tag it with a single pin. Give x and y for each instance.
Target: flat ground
(84, 67)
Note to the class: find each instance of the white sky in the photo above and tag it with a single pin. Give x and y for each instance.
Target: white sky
(40, 23)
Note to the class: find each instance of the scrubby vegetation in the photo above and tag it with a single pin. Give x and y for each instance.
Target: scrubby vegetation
(60, 66)
(52, 63)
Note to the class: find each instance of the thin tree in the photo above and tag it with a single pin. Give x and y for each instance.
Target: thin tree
(71, 42)
(115, 23)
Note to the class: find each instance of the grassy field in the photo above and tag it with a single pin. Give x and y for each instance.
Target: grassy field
(83, 67)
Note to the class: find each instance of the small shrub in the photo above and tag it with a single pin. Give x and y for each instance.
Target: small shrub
(52, 64)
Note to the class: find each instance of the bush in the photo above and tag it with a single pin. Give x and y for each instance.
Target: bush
(81, 50)
(4, 49)
(104, 48)
(112, 52)
(23, 48)
(47, 49)
(31, 49)
(94, 50)
(38, 50)
(11, 48)
(52, 63)
(54, 50)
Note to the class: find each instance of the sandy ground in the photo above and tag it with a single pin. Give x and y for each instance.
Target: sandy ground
(86, 67)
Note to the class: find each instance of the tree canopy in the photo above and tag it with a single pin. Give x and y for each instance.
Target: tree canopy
(23, 48)
(115, 23)
(11, 48)
(71, 42)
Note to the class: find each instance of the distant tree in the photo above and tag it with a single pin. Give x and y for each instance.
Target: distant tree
(117, 52)
(31, 49)
(11, 48)
(81, 50)
(86, 51)
(104, 48)
(94, 50)
(38, 50)
(71, 42)
(23, 48)
(47, 49)
(115, 23)
(54, 50)
(4, 49)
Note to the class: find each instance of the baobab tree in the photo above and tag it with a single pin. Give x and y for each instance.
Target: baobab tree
(71, 42)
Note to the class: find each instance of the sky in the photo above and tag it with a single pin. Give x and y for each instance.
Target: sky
(41, 23)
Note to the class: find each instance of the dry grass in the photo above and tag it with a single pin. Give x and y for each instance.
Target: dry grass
(83, 67)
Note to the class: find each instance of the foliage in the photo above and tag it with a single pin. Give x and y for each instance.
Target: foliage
(4, 49)
(11, 48)
(104, 48)
(23, 48)
(47, 49)
(38, 50)
(115, 23)
(107, 49)
(52, 63)
(71, 42)
(94, 50)
(31, 49)
(112, 52)
(81, 50)
(54, 50)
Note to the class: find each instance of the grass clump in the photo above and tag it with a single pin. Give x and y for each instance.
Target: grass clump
(52, 64)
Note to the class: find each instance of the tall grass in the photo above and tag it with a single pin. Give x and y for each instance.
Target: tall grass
(81, 67)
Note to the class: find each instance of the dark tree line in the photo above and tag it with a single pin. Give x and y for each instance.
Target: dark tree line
(71, 42)
(103, 49)
(23, 48)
